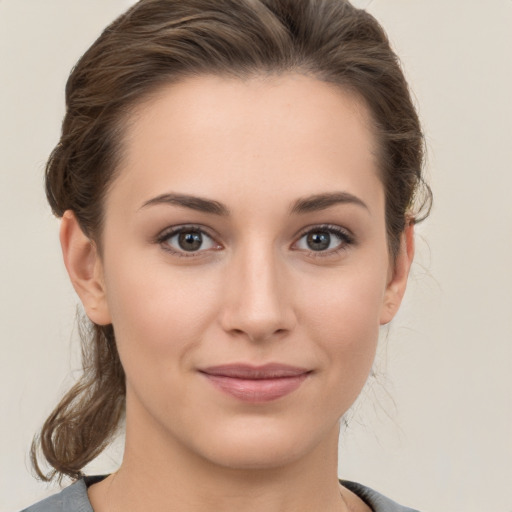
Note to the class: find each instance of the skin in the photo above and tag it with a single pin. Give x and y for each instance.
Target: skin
(254, 292)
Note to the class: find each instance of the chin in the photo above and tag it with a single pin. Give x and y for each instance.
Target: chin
(263, 446)
(261, 456)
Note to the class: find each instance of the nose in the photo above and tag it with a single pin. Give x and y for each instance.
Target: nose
(257, 296)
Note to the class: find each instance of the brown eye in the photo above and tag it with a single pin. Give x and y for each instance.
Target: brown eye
(318, 240)
(190, 241)
(324, 239)
(187, 240)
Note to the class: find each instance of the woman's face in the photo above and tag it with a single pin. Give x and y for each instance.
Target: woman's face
(245, 266)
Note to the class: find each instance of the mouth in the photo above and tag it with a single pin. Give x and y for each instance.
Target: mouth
(256, 383)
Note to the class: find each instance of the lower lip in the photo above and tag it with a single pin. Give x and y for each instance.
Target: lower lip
(257, 390)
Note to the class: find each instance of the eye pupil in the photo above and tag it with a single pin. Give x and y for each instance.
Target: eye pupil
(318, 240)
(190, 241)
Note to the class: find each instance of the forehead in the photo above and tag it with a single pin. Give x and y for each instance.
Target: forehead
(288, 130)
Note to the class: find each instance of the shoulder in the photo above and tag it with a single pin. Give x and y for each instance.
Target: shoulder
(75, 499)
(377, 501)
(71, 499)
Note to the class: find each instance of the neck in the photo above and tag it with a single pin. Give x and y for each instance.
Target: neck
(158, 473)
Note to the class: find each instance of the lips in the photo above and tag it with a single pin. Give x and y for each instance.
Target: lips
(256, 383)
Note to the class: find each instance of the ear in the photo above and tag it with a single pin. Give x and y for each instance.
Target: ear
(85, 269)
(398, 275)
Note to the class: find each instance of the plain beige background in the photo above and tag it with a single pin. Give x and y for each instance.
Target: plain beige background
(434, 429)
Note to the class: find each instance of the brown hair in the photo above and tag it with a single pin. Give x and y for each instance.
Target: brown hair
(161, 41)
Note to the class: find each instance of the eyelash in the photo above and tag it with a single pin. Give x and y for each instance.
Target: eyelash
(345, 237)
(169, 233)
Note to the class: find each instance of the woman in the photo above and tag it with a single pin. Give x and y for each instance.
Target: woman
(237, 184)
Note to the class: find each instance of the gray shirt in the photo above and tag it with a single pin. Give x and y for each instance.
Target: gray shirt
(75, 499)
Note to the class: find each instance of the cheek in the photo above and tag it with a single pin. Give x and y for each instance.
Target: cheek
(343, 319)
(346, 302)
(158, 314)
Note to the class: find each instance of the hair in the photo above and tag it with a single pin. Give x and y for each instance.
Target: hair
(157, 42)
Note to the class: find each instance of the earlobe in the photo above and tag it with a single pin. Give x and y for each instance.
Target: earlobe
(84, 268)
(397, 283)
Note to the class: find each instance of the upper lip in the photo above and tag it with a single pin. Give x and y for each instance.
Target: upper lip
(247, 371)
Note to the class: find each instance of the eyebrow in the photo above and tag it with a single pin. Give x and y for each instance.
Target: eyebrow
(324, 201)
(313, 203)
(192, 202)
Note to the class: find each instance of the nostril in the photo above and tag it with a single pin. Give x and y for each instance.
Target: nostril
(261, 334)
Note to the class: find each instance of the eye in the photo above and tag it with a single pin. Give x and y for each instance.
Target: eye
(187, 239)
(324, 239)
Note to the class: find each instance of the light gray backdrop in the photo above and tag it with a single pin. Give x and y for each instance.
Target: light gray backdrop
(434, 429)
